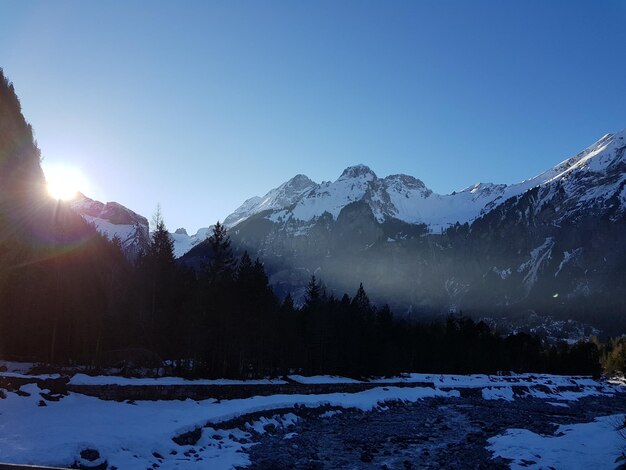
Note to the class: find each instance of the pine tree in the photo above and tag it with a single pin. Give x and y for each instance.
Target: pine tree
(221, 263)
(161, 249)
(361, 301)
(158, 277)
(313, 293)
(244, 270)
(384, 317)
(116, 243)
(288, 305)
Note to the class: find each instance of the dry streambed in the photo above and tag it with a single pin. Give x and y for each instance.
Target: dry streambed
(432, 433)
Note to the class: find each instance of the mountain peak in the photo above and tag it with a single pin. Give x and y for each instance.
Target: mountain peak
(299, 181)
(358, 171)
(406, 180)
(284, 195)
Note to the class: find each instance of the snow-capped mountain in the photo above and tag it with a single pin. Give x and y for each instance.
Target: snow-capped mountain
(183, 242)
(113, 219)
(408, 199)
(554, 241)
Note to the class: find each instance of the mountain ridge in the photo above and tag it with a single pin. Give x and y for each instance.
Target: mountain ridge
(405, 197)
(112, 219)
(299, 201)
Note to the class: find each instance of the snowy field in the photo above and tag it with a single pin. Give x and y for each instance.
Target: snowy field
(41, 428)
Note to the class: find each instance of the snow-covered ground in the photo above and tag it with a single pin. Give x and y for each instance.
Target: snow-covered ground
(586, 445)
(129, 435)
(482, 380)
(43, 429)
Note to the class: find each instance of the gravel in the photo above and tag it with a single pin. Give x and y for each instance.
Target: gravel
(432, 433)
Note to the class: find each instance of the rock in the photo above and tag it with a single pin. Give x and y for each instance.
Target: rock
(270, 427)
(527, 463)
(189, 438)
(90, 460)
(90, 454)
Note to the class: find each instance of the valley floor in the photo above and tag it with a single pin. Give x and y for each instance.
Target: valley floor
(415, 421)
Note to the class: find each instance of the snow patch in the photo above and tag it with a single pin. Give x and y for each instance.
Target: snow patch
(499, 393)
(538, 257)
(503, 273)
(587, 445)
(330, 413)
(567, 257)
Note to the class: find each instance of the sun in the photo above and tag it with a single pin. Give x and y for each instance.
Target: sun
(64, 181)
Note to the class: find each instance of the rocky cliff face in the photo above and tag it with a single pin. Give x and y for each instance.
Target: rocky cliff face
(113, 219)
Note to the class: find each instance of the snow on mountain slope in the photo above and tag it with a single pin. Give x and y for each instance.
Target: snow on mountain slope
(244, 211)
(599, 173)
(351, 186)
(580, 176)
(583, 171)
(113, 219)
(283, 196)
(183, 242)
(406, 198)
(441, 211)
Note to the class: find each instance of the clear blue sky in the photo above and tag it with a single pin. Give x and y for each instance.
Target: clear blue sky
(200, 105)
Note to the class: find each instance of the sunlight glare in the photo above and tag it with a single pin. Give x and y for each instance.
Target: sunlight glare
(64, 182)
